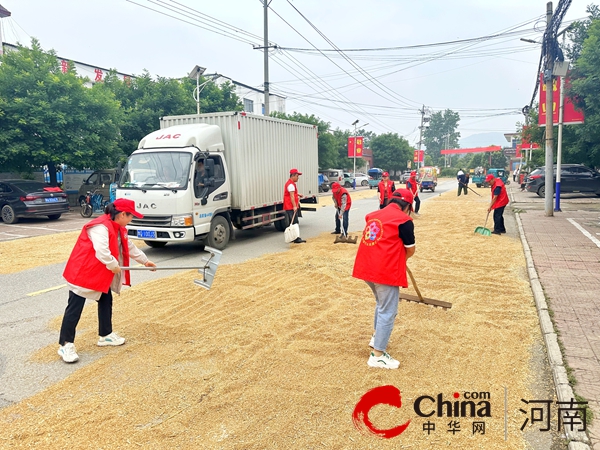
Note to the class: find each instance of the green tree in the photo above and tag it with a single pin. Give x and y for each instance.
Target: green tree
(144, 100)
(49, 117)
(391, 152)
(328, 155)
(441, 134)
(585, 90)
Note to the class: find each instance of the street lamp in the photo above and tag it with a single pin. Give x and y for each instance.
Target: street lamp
(195, 73)
(355, 123)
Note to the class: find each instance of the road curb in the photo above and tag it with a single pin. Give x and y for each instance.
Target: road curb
(564, 391)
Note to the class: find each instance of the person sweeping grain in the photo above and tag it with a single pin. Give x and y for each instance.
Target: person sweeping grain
(342, 204)
(388, 240)
(93, 271)
(498, 203)
(413, 186)
(386, 188)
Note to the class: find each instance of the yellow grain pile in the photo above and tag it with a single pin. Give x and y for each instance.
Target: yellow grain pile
(274, 356)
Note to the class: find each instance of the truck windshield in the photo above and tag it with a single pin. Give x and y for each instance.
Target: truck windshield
(157, 170)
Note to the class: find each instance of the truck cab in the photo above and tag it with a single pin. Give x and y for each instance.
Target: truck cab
(178, 180)
(375, 175)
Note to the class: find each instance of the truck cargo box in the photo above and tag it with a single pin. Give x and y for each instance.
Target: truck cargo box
(260, 151)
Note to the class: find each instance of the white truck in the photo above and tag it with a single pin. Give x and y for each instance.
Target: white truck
(202, 175)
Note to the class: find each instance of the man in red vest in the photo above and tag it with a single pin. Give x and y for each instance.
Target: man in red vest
(386, 188)
(291, 201)
(413, 186)
(342, 203)
(93, 271)
(387, 242)
(499, 202)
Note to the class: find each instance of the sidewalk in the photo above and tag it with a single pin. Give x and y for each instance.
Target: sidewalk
(565, 250)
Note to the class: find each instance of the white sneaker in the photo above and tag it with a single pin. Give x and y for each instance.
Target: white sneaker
(112, 339)
(68, 353)
(385, 361)
(372, 341)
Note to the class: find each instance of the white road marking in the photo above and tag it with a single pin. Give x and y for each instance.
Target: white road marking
(38, 228)
(585, 232)
(15, 235)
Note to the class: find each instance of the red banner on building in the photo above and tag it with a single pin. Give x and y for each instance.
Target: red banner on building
(570, 116)
(355, 146)
(418, 156)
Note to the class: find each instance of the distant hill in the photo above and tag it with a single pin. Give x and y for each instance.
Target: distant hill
(483, 140)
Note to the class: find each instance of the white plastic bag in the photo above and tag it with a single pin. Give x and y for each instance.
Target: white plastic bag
(292, 233)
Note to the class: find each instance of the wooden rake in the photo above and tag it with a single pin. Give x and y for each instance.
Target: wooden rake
(420, 299)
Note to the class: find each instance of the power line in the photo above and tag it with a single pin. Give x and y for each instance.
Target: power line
(220, 32)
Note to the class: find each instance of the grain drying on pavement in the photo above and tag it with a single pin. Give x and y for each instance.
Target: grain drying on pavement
(274, 355)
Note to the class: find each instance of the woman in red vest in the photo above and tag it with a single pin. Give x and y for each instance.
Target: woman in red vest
(413, 186)
(387, 242)
(386, 188)
(342, 203)
(499, 202)
(93, 271)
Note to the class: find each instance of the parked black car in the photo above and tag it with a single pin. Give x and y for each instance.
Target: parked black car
(573, 178)
(25, 198)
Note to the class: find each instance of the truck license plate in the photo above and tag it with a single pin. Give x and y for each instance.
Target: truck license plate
(146, 234)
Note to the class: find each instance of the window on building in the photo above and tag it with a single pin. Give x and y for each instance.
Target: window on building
(248, 105)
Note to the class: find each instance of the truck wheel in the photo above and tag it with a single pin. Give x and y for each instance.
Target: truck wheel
(433, 189)
(155, 244)
(218, 236)
(281, 225)
(8, 214)
(478, 185)
(370, 187)
(421, 189)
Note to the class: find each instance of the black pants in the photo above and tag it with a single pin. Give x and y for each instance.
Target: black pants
(344, 221)
(499, 220)
(417, 204)
(290, 215)
(73, 314)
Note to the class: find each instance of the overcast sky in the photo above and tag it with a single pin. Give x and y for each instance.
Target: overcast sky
(486, 81)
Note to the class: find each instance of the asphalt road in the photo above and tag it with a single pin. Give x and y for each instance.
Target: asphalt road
(33, 297)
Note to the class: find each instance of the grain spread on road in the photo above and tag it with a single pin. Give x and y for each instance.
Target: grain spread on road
(274, 355)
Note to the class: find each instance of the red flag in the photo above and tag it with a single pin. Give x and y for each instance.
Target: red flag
(355, 146)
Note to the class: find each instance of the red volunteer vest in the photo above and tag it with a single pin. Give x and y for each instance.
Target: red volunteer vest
(502, 199)
(287, 200)
(84, 269)
(381, 256)
(413, 186)
(338, 198)
(384, 188)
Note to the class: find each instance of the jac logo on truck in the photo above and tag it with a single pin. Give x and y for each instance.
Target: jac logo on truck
(146, 206)
(168, 136)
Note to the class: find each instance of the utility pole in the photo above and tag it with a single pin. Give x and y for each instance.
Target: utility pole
(422, 111)
(266, 56)
(548, 67)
